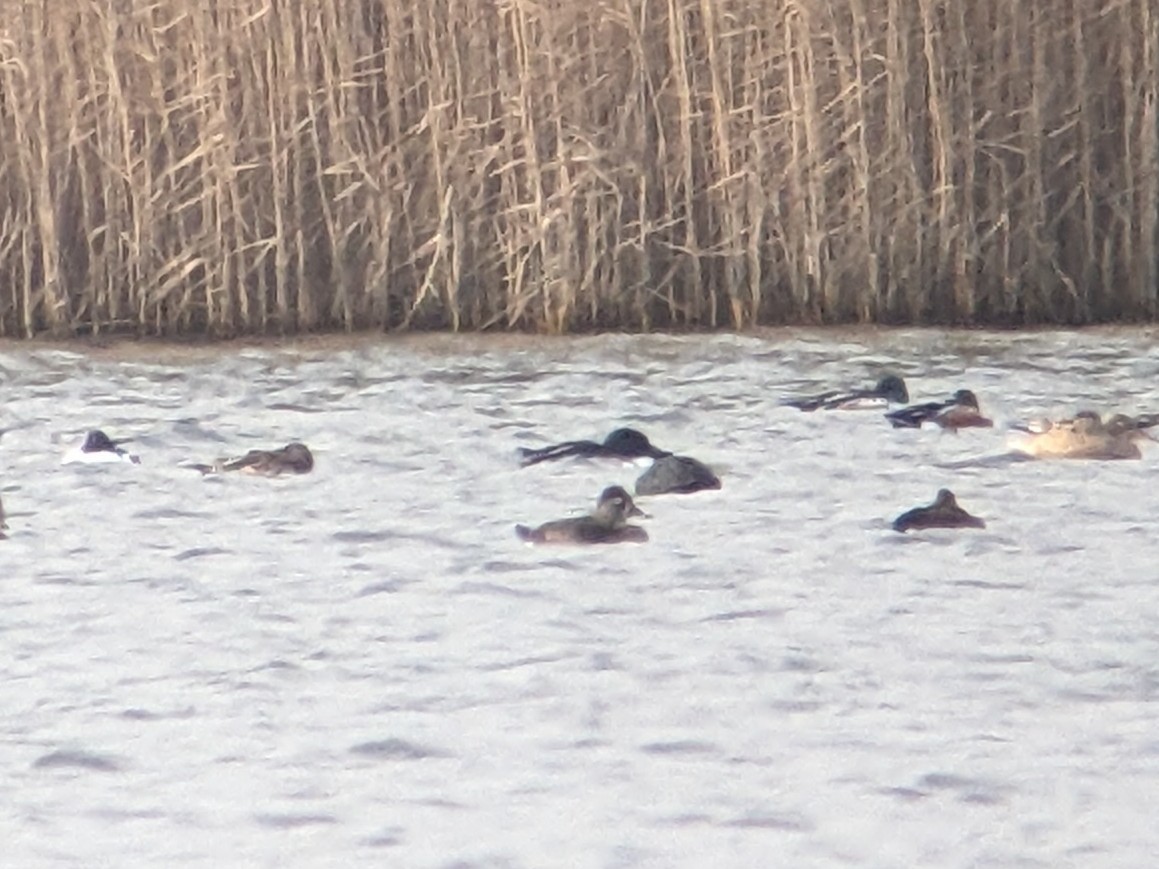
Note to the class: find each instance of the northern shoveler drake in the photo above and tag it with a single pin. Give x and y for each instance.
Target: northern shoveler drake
(607, 524)
(1087, 436)
(943, 513)
(960, 411)
(888, 390)
(294, 458)
(678, 475)
(623, 443)
(98, 448)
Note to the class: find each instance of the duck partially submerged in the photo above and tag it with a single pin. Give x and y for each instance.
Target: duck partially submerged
(1087, 436)
(943, 513)
(888, 390)
(98, 448)
(677, 475)
(960, 411)
(608, 523)
(293, 458)
(623, 443)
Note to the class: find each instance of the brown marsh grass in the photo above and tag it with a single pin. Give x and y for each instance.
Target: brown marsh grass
(226, 167)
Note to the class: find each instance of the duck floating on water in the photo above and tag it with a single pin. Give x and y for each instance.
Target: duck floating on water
(1087, 436)
(943, 513)
(668, 474)
(888, 390)
(607, 524)
(293, 458)
(676, 475)
(98, 448)
(623, 443)
(960, 411)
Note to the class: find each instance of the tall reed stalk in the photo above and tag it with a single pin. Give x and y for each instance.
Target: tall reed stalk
(277, 166)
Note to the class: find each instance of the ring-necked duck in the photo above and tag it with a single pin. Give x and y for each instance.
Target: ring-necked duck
(943, 513)
(98, 447)
(1086, 436)
(960, 411)
(607, 524)
(294, 458)
(888, 390)
(678, 475)
(623, 443)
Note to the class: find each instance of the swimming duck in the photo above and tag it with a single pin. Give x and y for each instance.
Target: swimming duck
(888, 390)
(678, 475)
(943, 513)
(294, 458)
(623, 443)
(961, 411)
(607, 524)
(1087, 436)
(96, 448)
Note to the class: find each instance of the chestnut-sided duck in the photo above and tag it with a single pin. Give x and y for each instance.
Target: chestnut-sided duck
(959, 411)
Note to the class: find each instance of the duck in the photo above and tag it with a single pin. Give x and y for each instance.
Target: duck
(608, 523)
(3, 522)
(293, 458)
(943, 513)
(960, 411)
(890, 389)
(676, 475)
(1086, 436)
(98, 448)
(623, 443)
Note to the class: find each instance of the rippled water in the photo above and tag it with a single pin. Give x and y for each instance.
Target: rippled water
(365, 667)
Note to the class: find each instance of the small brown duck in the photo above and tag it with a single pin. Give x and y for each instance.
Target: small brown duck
(943, 513)
(1087, 436)
(294, 458)
(607, 524)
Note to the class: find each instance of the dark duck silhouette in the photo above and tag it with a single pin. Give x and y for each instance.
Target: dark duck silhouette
(623, 443)
(960, 411)
(888, 390)
(294, 458)
(943, 513)
(98, 447)
(608, 523)
(676, 475)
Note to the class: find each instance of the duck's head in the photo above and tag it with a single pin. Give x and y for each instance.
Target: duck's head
(616, 505)
(892, 388)
(631, 443)
(1121, 425)
(97, 441)
(966, 398)
(944, 499)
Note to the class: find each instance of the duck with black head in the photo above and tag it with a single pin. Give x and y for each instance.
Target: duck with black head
(890, 389)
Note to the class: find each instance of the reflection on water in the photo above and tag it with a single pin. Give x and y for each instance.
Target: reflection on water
(365, 665)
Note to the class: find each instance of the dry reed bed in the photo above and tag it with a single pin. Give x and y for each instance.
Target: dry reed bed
(284, 165)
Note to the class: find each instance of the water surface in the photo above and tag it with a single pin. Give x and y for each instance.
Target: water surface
(365, 666)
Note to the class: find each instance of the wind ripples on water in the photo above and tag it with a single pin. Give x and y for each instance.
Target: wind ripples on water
(365, 666)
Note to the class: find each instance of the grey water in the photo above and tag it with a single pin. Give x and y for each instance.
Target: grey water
(364, 666)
